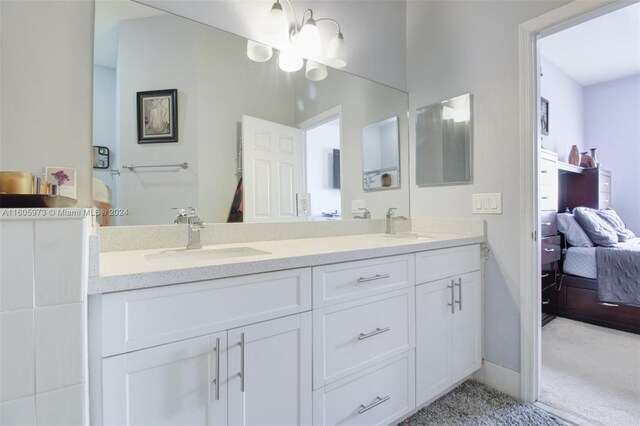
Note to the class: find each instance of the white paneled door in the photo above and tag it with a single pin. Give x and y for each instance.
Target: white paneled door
(273, 162)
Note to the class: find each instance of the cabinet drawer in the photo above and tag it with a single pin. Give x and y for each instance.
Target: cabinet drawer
(139, 319)
(548, 223)
(550, 301)
(548, 275)
(548, 197)
(550, 247)
(437, 264)
(352, 335)
(548, 172)
(605, 200)
(377, 396)
(354, 280)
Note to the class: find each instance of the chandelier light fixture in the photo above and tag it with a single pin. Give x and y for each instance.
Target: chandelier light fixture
(298, 42)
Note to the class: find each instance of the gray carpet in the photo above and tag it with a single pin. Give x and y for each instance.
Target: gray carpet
(472, 404)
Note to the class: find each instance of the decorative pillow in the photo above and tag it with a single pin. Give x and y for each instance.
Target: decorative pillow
(612, 218)
(598, 230)
(572, 231)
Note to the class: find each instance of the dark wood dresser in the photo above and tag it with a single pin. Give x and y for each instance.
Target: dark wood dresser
(549, 238)
(581, 187)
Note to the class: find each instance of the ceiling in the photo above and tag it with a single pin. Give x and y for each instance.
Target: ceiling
(602, 49)
(108, 15)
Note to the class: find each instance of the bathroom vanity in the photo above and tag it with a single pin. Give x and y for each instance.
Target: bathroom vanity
(359, 329)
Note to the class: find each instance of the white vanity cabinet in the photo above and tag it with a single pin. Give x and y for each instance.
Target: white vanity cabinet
(448, 319)
(258, 373)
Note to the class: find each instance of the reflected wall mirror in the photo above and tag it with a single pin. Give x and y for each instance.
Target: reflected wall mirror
(255, 139)
(444, 142)
(381, 155)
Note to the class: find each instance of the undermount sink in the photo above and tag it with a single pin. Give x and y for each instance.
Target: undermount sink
(410, 236)
(205, 254)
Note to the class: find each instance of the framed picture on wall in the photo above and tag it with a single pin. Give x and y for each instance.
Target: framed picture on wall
(544, 116)
(158, 116)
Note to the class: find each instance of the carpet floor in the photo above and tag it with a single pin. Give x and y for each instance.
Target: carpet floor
(591, 372)
(473, 404)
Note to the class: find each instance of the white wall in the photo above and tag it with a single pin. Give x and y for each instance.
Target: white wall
(612, 111)
(47, 62)
(104, 119)
(472, 46)
(374, 30)
(216, 84)
(321, 141)
(566, 110)
(363, 103)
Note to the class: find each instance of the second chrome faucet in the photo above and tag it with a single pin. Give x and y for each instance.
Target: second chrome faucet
(194, 224)
(391, 221)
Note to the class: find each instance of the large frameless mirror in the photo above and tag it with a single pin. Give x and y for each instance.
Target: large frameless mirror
(191, 119)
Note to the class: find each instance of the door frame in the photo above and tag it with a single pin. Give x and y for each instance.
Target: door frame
(551, 22)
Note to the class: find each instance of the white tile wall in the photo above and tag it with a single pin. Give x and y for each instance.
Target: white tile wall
(59, 265)
(16, 354)
(16, 265)
(64, 407)
(43, 337)
(18, 412)
(60, 346)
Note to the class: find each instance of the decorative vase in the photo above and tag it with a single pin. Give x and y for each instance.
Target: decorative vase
(574, 155)
(586, 161)
(593, 155)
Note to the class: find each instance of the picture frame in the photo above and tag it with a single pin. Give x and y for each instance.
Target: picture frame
(544, 116)
(65, 178)
(157, 118)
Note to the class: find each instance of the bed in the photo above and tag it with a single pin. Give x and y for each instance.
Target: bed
(587, 293)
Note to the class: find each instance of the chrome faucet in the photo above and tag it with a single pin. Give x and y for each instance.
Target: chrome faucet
(391, 220)
(194, 224)
(181, 215)
(366, 214)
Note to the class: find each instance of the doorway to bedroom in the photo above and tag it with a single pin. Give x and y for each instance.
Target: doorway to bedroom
(588, 179)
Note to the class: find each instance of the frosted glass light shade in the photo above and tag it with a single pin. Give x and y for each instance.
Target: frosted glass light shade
(258, 52)
(276, 27)
(308, 42)
(289, 60)
(336, 52)
(315, 71)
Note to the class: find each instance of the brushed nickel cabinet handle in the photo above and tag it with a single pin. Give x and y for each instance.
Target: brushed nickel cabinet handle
(375, 332)
(545, 198)
(217, 379)
(373, 278)
(459, 301)
(546, 302)
(544, 171)
(544, 275)
(546, 223)
(452, 304)
(548, 250)
(241, 373)
(375, 403)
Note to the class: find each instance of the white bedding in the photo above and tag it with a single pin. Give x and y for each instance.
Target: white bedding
(581, 261)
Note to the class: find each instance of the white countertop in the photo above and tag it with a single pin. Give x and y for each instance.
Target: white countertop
(130, 270)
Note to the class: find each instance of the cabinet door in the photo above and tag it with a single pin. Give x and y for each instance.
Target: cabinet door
(433, 359)
(168, 385)
(466, 326)
(270, 372)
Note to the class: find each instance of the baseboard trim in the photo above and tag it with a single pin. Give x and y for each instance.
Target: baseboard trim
(500, 378)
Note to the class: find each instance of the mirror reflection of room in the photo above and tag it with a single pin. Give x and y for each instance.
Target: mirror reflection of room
(251, 143)
(380, 156)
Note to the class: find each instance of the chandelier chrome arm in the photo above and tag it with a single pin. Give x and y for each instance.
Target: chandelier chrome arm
(330, 20)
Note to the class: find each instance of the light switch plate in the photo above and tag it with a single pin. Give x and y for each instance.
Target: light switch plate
(303, 200)
(487, 203)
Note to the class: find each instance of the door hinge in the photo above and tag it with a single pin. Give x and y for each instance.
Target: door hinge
(534, 235)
